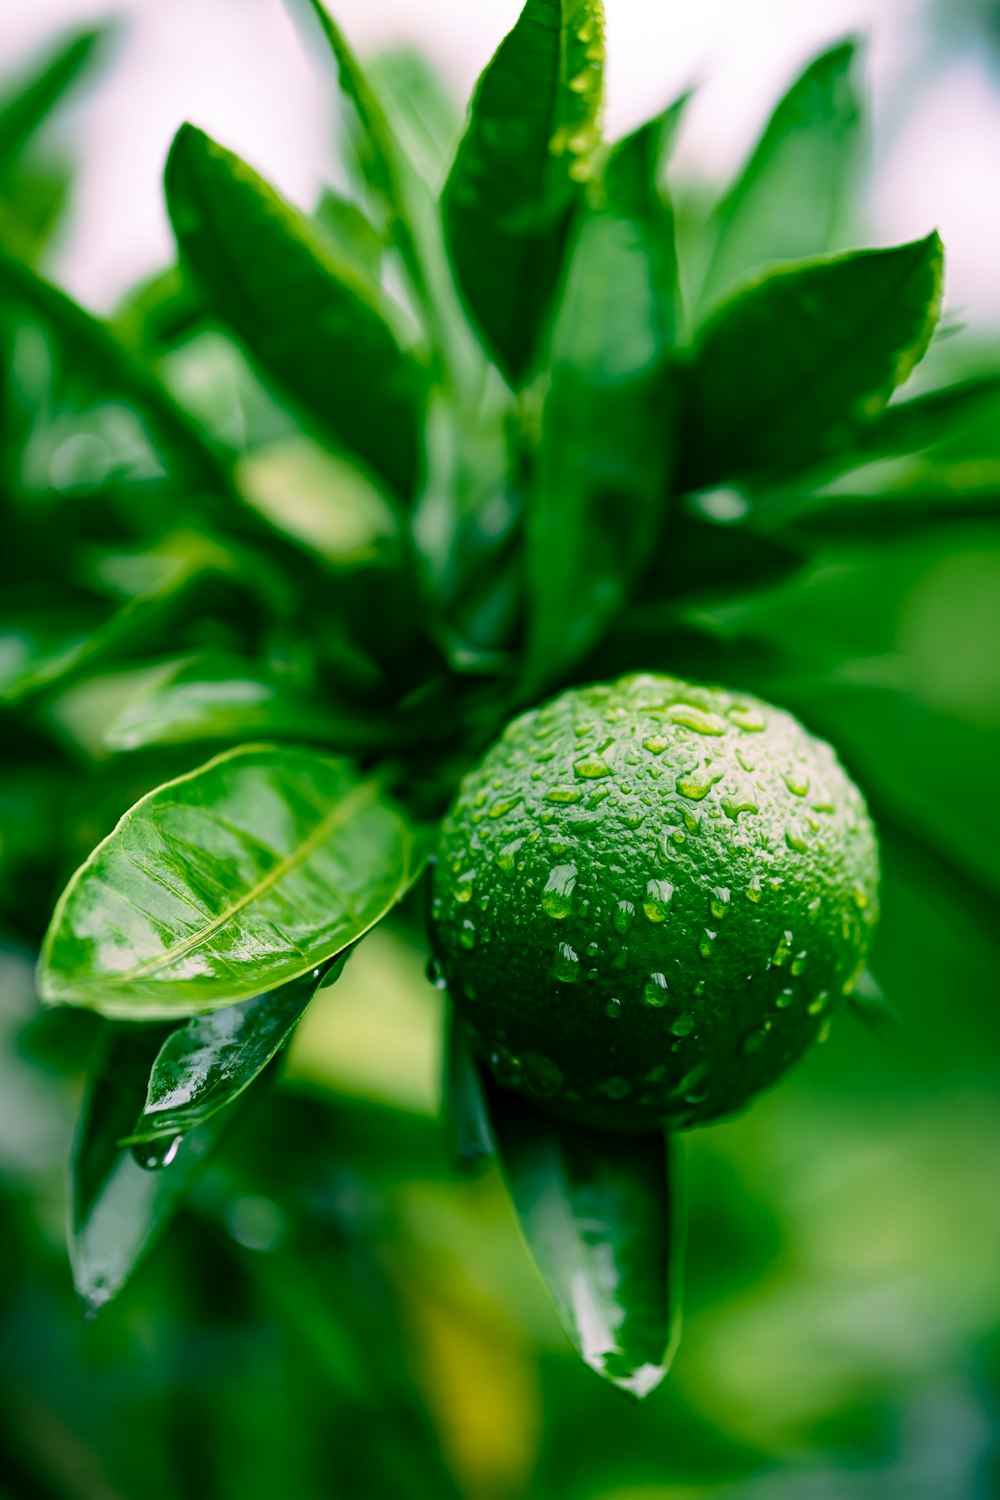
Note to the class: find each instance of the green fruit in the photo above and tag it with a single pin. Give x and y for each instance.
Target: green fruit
(648, 899)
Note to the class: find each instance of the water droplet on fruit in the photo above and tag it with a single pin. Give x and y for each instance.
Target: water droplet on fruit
(655, 991)
(557, 897)
(613, 1009)
(622, 917)
(467, 933)
(818, 1006)
(684, 1024)
(706, 943)
(719, 903)
(755, 1040)
(463, 888)
(657, 899)
(783, 949)
(566, 964)
(698, 719)
(541, 1075)
(591, 768)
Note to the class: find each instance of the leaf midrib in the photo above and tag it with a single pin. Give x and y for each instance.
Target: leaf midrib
(335, 819)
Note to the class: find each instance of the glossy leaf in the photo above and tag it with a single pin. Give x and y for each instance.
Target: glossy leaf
(597, 513)
(118, 1209)
(200, 699)
(310, 321)
(466, 1113)
(29, 105)
(208, 1063)
(519, 170)
(603, 1218)
(790, 198)
(234, 879)
(802, 357)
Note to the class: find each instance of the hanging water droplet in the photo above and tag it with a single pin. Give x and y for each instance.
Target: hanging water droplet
(436, 974)
(557, 897)
(684, 1024)
(656, 992)
(566, 964)
(657, 899)
(154, 1155)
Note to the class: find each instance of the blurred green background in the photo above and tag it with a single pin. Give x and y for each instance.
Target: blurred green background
(337, 1314)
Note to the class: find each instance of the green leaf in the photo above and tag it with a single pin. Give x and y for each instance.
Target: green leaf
(425, 117)
(786, 370)
(199, 699)
(379, 155)
(25, 109)
(311, 322)
(519, 171)
(789, 200)
(203, 1066)
(938, 416)
(597, 512)
(118, 1210)
(89, 345)
(352, 235)
(466, 1114)
(603, 1218)
(234, 879)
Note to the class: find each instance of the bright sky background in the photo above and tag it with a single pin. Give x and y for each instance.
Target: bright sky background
(241, 69)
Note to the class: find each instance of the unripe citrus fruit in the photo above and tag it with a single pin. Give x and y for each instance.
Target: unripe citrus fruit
(649, 897)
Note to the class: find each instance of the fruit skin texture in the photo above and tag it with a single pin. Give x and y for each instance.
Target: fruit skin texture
(648, 899)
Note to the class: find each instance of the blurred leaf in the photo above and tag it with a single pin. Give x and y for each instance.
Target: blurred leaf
(32, 200)
(90, 346)
(119, 1209)
(208, 1063)
(935, 417)
(199, 699)
(868, 1001)
(803, 356)
(426, 119)
(597, 513)
(519, 171)
(603, 1217)
(312, 323)
(351, 234)
(231, 880)
(466, 1115)
(710, 559)
(378, 152)
(790, 198)
(26, 107)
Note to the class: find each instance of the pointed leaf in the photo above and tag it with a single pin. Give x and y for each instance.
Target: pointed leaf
(426, 117)
(804, 354)
(208, 1063)
(467, 1122)
(519, 171)
(603, 1218)
(28, 105)
(119, 1209)
(607, 442)
(234, 879)
(313, 324)
(789, 200)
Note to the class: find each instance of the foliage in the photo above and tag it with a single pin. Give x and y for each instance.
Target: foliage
(328, 501)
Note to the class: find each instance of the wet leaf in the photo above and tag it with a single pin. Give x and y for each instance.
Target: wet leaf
(603, 1218)
(208, 1063)
(803, 356)
(519, 171)
(315, 327)
(232, 880)
(466, 1114)
(789, 200)
(118, 1209)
